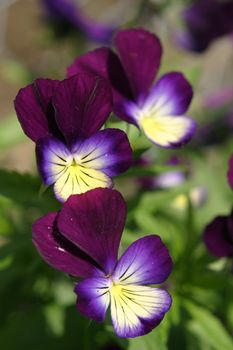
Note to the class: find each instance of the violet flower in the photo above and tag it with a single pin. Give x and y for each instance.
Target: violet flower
(206, 20)
(70, 11)
(63, 118)
(83, 240)
(218, 236)
(156, 109)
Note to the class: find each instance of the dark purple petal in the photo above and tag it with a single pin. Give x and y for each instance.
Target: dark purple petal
(140, 53)
(58, 252)
(137, 310)
(93, 297)
(230, 172)
(34, 109)
(171, 95)
(105, 63)
(94, 222)
(108, 150)
(218, 237)
(146, 261)
(83, 103)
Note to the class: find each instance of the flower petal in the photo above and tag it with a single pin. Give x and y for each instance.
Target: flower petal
(146, 261)
(218, 236)
(68, 172)
(168, 131)
(58, 252)
(53, 157)
(93, 297)
(108, 150)
(34, 110)
(105, 63)
(140, 53)
(137, 310)
(171, 95)
(83, 103)
(94, 222)
(77, 180)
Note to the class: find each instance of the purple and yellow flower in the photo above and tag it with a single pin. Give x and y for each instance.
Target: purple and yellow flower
(218, 236)
(64, 119)
(70, 12)
(159, 109)
(205, 21)
(83, 240)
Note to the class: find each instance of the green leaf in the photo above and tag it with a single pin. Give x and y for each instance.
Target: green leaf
(208, 327)
(24, 189)
(156, 340)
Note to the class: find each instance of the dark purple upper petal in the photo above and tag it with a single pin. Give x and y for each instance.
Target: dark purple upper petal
(218, 236)
(83, 103)
(34, 109)
(140, 52)
(59, 252)
(230, 172)
(146, 261)
(105, 63)
(94, 222)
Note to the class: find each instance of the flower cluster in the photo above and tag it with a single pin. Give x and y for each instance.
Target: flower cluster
(79, 158)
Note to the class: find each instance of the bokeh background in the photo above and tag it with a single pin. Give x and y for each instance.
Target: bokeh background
(37, 304)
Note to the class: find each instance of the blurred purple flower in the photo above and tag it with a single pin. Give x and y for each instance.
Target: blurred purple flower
(70, 12)
(63, 118)
(205, 21)
(218, 236)
(167, 179)
(83, 240)
(156, 109)
(218, 127)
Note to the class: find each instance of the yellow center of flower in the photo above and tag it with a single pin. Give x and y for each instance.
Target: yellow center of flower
(74, 176)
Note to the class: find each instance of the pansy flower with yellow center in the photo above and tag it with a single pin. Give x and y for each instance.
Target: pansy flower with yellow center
(159, 109)
(64, 119)
(83, 240)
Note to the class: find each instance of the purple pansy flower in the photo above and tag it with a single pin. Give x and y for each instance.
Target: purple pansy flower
(218, 236)
(156, 109)
(71, 12)
(83, 240)
(206, 20)
(63, 118)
